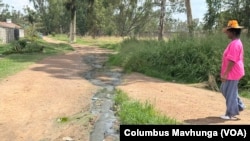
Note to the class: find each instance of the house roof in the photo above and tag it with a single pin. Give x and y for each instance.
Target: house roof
(9, 25)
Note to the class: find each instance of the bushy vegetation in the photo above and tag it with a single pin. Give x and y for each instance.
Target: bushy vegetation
(135, 112)
(183, 60)
(23, 46)
(37, 46)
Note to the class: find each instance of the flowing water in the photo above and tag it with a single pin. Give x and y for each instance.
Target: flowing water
(107, 125)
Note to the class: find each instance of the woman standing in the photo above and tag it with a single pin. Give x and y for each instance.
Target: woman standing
(232, 70)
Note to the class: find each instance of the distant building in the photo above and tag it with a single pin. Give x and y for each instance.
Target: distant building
(9, 31)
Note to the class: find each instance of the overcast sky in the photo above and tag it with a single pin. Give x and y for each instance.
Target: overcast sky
(17, 4)
(198, 7)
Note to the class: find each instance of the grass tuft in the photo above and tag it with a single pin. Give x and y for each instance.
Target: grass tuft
(134, 112)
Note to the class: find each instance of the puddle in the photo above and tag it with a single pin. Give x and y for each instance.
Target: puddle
(107, 125)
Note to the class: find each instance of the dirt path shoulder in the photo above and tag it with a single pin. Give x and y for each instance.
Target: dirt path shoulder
(185, 103)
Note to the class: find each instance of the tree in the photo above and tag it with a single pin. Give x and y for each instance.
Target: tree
(162, 19)
(246, 12)
(32, 17)
(167, 7)
(220, 11)
(189, 17)
(71, 6)
(96, 18)
(213, 13)
(4, 11)
(236, 10)
(132, 15)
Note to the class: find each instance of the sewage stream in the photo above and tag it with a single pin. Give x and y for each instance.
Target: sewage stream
(106, 127)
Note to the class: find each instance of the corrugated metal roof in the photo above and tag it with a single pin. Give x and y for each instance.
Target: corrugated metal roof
(9, 25)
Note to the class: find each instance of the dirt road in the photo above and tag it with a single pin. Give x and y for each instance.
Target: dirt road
(33, 102)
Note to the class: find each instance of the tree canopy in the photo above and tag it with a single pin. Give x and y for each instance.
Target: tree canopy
(124, 17)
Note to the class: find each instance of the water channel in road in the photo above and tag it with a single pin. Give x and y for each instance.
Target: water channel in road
(107, 125)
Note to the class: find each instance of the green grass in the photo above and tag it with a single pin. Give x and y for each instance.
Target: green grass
(134, 112)
(245, 94)
(63, 119)
(103, 42)
(61, 37)
(182, 60)
(13, 63)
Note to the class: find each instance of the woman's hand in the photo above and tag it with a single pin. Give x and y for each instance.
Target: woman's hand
(224, 78)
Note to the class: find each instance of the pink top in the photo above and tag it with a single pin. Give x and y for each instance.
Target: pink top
(235, 53)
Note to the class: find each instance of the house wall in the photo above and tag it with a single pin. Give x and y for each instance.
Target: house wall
(7, 34)
(10, 35)
(2, 35)
(21, 33)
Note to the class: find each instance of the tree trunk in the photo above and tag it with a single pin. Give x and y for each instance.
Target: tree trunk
(70, 32)
(189, 17)
(247, 12)
(74, 27)
(72, 22)
(161, 23)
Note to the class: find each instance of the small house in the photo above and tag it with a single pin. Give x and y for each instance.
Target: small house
(10, 31)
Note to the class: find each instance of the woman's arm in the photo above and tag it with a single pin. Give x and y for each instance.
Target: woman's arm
(228, 69)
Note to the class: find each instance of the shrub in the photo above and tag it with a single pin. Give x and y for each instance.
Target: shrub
(188, 60)
(23, 46)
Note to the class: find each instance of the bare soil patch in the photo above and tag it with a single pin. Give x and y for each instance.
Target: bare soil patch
(185, 103)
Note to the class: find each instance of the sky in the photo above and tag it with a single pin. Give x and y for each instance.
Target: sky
(198, 7)
(18, 4)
